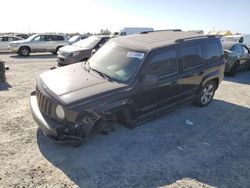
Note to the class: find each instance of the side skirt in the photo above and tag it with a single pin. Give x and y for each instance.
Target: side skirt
(162, 111)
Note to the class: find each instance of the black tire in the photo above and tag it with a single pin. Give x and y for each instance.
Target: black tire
(57, 48)
(84, 59)
(24, 51)
(206, 94)
(234, 69)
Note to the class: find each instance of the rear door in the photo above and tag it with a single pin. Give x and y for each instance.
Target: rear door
(192, 67)
(48, 42)
(58, 40)
(163, 64)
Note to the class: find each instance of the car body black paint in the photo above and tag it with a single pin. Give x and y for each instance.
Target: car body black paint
(81, 92)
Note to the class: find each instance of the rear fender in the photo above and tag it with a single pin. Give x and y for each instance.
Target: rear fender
(215, 75)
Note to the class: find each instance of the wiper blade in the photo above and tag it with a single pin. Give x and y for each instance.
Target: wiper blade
(103, 74)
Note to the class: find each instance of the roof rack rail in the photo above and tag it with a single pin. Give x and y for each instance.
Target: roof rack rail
(174, 30)
(197, 37)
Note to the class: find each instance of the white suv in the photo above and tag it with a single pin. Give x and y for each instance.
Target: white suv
(39, 43)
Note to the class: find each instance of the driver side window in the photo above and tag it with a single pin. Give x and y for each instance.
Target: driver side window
(39, 38)
(164, 63)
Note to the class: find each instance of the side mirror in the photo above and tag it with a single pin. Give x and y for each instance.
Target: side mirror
(149, 81)
(93, 52)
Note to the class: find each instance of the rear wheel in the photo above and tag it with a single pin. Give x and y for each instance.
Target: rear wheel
(24, 51)
(206, 94)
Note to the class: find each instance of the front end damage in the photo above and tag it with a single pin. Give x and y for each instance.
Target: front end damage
(69, 132)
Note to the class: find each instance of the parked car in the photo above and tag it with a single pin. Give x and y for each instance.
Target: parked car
(23, 36)
(237, 56)
(77, 38)
(134, 30)
(80, 51)
(128, 81)
(39, 43)
(5, 42)
(243, 39)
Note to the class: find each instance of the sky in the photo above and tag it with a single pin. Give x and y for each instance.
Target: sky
(93, 15)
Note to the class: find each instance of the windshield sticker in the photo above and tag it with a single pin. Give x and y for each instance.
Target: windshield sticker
(137, 55)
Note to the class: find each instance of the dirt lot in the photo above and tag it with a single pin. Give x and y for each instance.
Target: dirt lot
(214, 152)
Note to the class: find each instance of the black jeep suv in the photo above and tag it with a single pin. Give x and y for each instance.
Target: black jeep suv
(129, 80)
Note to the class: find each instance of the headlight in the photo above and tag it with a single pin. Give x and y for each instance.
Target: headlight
(60, 112)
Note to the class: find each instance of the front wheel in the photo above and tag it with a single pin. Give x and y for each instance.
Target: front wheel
(24, 51)
(206, 94)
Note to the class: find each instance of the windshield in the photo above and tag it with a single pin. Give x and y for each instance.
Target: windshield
(116, 62)
(88, 42)
(31, 38)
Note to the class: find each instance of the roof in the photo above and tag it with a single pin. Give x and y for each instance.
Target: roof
(228, 44)
(152, 40)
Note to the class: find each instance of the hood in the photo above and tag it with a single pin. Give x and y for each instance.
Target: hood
(72, 83)
(72, 48)
(18, 41)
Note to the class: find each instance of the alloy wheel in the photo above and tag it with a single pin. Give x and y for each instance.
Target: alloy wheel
(207, 94)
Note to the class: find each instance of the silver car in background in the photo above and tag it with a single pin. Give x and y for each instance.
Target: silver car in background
(80, 51)
(77, 38)
(5, 42)
(39, 43)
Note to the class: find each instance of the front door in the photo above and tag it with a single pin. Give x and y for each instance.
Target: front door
(165, 66)
(39, 44)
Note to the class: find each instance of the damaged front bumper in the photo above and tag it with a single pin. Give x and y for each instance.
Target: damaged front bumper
(52, 130)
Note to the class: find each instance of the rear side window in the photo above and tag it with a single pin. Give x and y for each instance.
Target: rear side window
(57, 38)
(191, 56)
(163, 63)
(213, 52)
(48, 38)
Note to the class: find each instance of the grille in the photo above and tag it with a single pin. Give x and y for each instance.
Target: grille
(45, 105)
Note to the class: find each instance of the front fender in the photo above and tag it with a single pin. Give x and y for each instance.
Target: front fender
(117, 106)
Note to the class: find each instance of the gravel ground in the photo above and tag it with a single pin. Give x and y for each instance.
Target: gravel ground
(214, 152)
